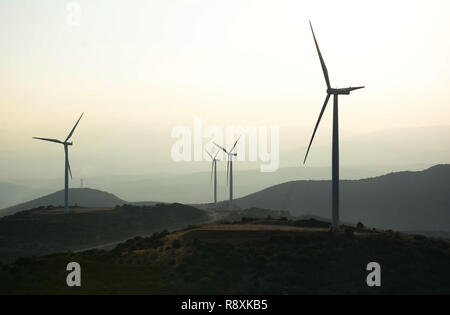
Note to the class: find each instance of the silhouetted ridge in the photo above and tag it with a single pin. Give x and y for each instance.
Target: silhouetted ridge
(85, 197)
(400, 201)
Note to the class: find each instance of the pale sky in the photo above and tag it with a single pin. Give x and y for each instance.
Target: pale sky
(138, 68)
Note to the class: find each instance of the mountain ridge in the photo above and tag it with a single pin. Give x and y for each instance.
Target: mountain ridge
(400, 200)
(86, 197)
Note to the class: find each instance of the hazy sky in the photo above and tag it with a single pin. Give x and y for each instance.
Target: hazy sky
(138, 68)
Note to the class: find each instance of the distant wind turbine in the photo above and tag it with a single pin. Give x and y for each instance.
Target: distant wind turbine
(67, 169)
(230, 168)
(214, 170)
(335, 150)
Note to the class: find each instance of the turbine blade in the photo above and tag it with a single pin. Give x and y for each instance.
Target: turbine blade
(322, 63)
(221, 148)
(210, 155)
(70, 171)
(216, 155)
(47, 139)
(212, 169)
(70, 134)
(357, 88)
(317, 124)
(235, 143)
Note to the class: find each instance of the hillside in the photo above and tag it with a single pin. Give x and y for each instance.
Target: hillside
(251, 257)
(85, 197)
(42, 231)
(400, 201)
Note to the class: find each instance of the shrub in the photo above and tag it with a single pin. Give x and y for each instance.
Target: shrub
(348, 232)
(360, 226)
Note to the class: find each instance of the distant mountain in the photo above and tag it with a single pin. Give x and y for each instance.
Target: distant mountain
(195, 187)
(401, 201)
(85, 197)
(189, 188)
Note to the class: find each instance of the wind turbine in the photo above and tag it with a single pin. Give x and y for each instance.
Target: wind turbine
(214, 169)
(335, 148)
(67, 170)
(230, 168)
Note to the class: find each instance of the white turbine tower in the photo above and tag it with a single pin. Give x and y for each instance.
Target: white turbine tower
(67, 170)
(214, 170)
(230, 168)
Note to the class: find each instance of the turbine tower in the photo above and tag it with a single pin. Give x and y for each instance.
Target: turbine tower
(230, 168)
(214, 170)
(335, 146)
(67, 170)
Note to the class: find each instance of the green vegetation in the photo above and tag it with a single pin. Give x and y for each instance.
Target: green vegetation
(230, 259)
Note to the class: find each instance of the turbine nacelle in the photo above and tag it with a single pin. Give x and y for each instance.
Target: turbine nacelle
(344, 91)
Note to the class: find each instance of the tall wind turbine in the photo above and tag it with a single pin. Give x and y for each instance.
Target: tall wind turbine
(230, 168)
(214, 170)
(67, 170)
(335, 151)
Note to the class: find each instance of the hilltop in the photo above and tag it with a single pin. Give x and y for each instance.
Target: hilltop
(85, 197)
(399, 201)
(250, 257)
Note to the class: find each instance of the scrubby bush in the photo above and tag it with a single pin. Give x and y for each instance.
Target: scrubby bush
(348, 232)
